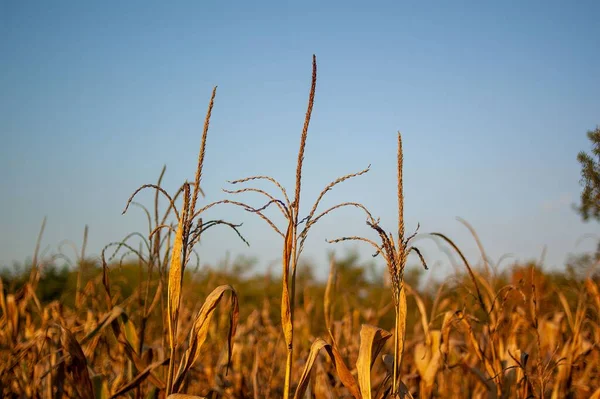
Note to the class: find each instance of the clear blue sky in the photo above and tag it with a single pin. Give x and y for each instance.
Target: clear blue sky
(493, 99)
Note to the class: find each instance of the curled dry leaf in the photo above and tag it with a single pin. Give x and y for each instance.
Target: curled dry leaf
(76, 364)
(372, 340)
(428, 360)
(199, 330)
(340, 366)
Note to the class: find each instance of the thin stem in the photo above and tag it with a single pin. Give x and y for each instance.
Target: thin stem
(294, 210)
(396, 345)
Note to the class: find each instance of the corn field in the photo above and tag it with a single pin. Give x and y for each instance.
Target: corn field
(480, 335)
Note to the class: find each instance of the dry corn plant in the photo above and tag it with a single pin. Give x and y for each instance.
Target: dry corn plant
(190, 227)
(495, 348)
(395, 254)
(514, 350)
(293, 237)
(485, 335)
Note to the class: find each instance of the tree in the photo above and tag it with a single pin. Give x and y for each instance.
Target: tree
(590, 178)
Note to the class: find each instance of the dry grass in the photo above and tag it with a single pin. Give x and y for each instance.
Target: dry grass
(479, 336)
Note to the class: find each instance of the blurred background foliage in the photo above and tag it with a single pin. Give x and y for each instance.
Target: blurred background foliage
(359, 284)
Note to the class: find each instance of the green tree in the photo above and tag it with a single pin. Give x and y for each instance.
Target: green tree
(590, 178)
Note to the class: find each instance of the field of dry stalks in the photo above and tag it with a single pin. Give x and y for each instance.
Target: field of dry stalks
(177, 335)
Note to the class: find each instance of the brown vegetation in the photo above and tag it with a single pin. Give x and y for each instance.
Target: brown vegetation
(483, 334)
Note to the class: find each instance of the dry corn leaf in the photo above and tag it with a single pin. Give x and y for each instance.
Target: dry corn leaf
(446, 325)
(342, 370)
(130, 332)
(401, 329)
(286, 317)
(372, 340)
(567, 309)
(106, 320)
(428, 358)
(594, 292)
(76, 364)
(175, 281)
(474, 342)
(12, 315)
(200, 327)
(141, 377)
(156, 298)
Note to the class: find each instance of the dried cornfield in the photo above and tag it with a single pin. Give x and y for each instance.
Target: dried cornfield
(478, 336)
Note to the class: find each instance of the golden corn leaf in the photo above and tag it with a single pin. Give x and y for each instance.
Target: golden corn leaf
(428, 358)
(286, 316)
(474, 342)
(567, 309)
(174, 283)
(12, 315)
(401, 328)
(156, 298)
(200, 327)
(593, 291)
(102, 324)
(141, 377)
(130, 333)
(342, 370)
(446, 325)
(76, 365)
(372, 340)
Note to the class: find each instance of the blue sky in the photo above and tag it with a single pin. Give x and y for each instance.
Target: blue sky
(493, 100)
